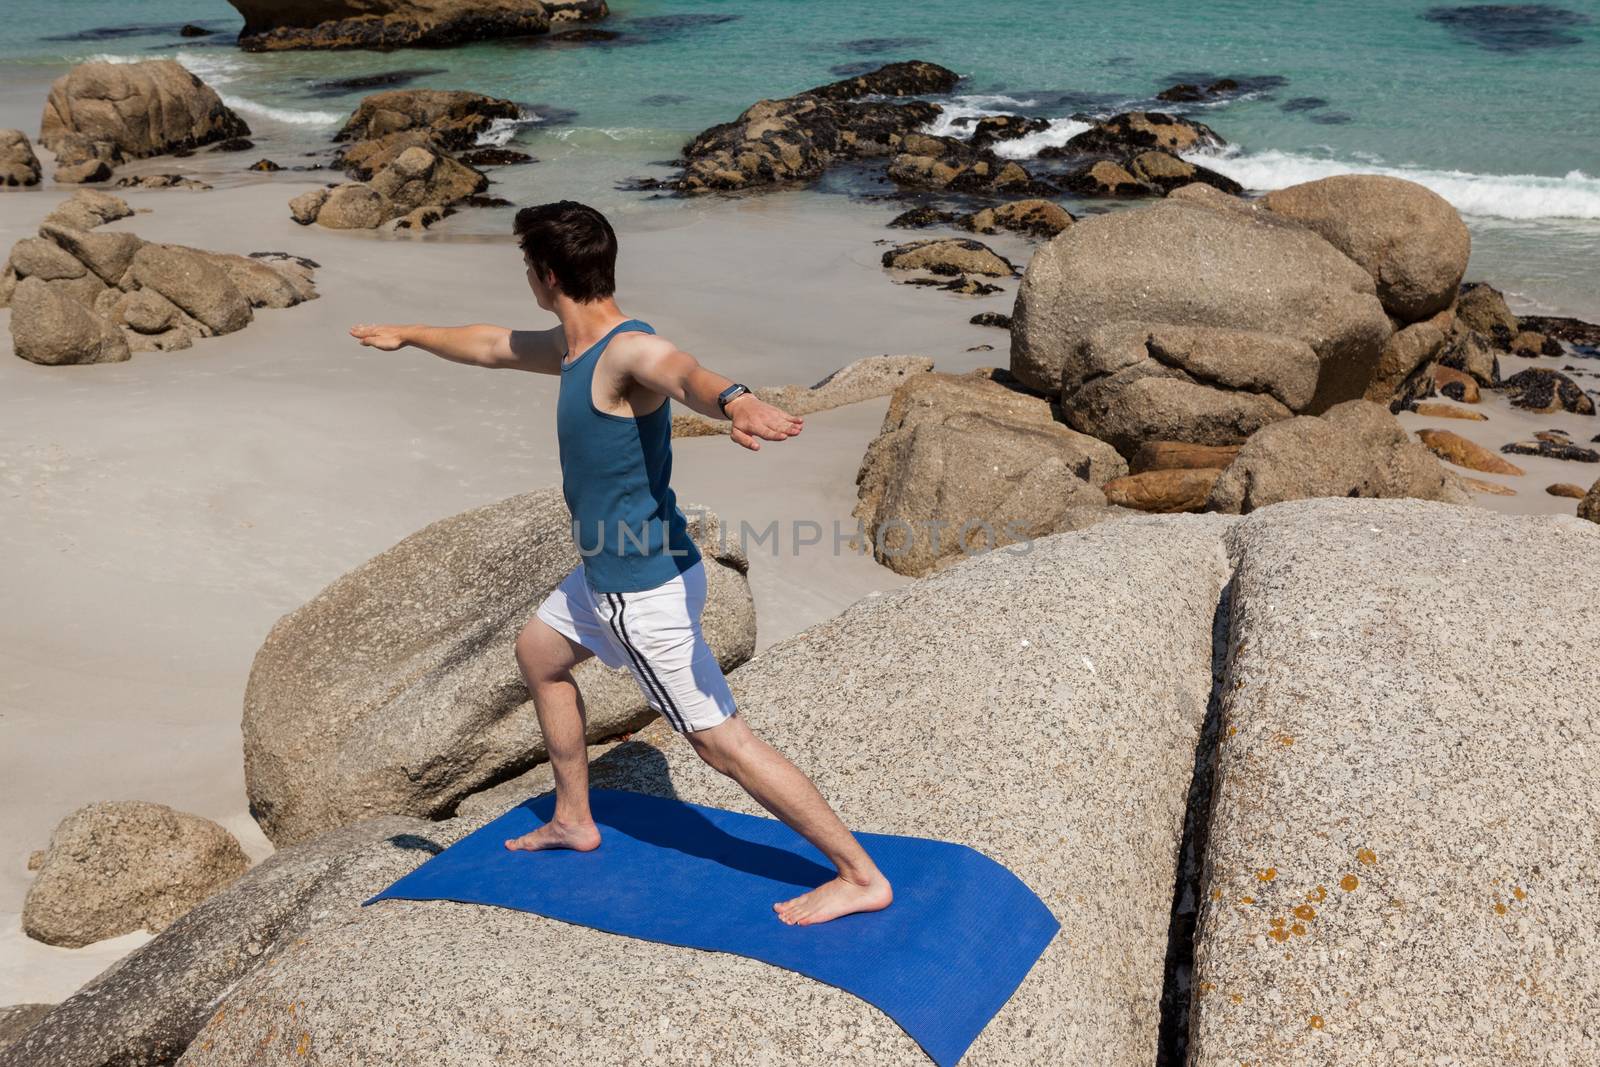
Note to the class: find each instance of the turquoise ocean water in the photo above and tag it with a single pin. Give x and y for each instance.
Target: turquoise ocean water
(1491, 106)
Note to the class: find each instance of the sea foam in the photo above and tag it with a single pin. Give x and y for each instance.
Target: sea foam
(958, 117)
(292, 116)
(1575, 195)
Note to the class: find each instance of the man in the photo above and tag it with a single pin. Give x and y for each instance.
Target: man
(636, 595)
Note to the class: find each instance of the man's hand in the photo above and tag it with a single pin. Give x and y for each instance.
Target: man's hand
(387, 338)
(755, 420)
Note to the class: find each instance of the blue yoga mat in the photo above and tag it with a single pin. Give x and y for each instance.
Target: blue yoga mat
(946, 955)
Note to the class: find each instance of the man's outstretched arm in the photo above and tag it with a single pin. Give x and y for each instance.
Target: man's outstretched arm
(479, 345)
(663, 367)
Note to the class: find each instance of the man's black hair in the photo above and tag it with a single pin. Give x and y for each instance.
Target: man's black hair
(573, 240)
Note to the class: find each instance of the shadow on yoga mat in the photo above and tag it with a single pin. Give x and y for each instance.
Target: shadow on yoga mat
(940, 961)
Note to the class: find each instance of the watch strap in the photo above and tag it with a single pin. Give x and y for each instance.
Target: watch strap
(730, 393)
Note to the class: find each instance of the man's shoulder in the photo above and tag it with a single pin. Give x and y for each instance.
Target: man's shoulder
(635, 346)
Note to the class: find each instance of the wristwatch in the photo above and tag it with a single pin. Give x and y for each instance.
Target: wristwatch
(728, 394)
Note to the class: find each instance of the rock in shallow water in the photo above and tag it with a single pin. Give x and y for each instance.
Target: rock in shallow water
(273, 25)
(798, 137)
(1543, 390)
(948, 257)
(143, 109)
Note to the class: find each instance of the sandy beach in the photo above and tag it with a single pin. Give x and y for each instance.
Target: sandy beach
(162, 513)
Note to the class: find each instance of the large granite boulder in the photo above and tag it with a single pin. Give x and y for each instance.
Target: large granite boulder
(1183, 321)
(1017, 703)
(110, 293)
(1407, 237)
(52, 327)
(18, 165)
(116, 866)
(1400, 857)
(18, 1019)
(274, 25)
(797, 137)
(1356, 449)
(147, 1007)
(194, 283)
(415, 177)
(142, 109)
(964, 463)
(396, 688)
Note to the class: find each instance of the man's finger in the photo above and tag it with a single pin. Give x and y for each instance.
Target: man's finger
(742, 438)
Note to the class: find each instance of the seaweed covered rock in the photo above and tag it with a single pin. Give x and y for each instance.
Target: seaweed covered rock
(1544, 390)
(273, 25)
(1134, 131)
(948, 257)
(1034, 218)
(796, 138)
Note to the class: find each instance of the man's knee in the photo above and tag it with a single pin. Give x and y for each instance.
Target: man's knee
(722, 746)
(541, 653)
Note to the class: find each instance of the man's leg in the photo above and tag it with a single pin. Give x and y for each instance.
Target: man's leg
(546, 659)
(783, 789)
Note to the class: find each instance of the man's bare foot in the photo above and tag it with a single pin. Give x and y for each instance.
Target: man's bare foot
(833, 899)
(583, 837)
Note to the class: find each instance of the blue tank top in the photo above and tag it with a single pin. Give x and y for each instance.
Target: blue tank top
(615, 471)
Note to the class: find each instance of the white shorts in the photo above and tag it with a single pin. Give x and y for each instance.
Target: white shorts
(656, 634)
